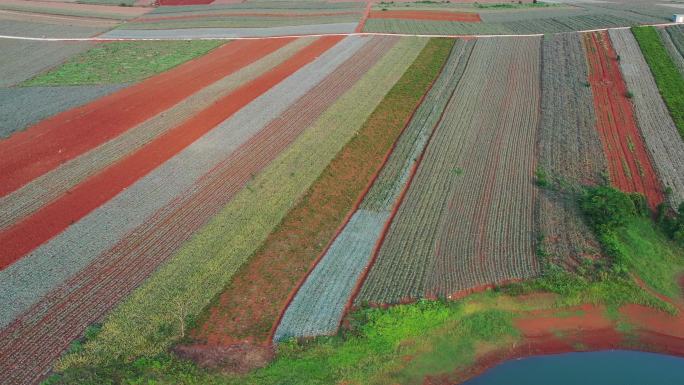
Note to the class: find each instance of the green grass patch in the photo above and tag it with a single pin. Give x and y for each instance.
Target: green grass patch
(123, 62)
(441, 336)
(667, 76)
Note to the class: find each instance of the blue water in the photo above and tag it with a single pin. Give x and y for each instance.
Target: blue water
(612, 367)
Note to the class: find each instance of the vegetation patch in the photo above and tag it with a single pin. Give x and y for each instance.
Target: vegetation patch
(123, 62)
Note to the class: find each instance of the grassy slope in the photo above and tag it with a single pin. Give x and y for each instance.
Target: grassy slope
(303, 233)
(122, 62)
(146, 323)
(667, 77)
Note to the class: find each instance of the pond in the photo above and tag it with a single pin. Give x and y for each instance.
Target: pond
(611, 367)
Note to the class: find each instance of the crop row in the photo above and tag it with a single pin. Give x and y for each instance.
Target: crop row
(660, 135)
(21, 107)
(147, 322)
(250, 307)
(319, 304)
(668, 79)
(62, 137)
(569, 149)
(629, 165)
(467, 217)
(37, 273)
(531, 26)
(50, 186)
(117, 272)
(240, 22)
(674, 52)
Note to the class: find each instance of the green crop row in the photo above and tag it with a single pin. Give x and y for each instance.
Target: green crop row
(667, 76)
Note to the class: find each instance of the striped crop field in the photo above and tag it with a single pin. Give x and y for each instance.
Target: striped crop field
(467, 218)
(629, 165)
(253, 192)
(249, 308)
(320, 302)
(664, 145)
(566, 131)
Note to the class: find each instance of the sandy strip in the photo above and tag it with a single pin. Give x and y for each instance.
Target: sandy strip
(33, 276)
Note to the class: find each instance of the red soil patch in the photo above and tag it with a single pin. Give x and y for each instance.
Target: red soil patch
(44, 146)
(463, 17)
(52, 219)
(629, 165)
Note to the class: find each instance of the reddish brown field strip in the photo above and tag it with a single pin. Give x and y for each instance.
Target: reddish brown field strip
(55, 217)
(629, 166)
(462, 17)
(364, 17)
(48, 144)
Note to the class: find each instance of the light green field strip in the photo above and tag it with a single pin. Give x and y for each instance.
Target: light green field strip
(71, 11)
(147, 322)
(240, 22)
(123, 62)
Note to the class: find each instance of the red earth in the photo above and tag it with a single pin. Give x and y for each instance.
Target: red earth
(629, 165)
(463, 17)
(44, 146)
(53, 218)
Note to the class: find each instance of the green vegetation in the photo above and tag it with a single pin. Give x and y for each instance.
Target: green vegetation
(441, 336)
(123, 62)
(667, 76)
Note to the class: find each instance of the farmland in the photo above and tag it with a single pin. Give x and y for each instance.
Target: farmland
(448, 234)
(566, 131)
(267, 193)
(629, 165)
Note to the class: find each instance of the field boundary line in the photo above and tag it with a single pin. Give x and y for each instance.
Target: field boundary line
(105, 39)
(352, 210)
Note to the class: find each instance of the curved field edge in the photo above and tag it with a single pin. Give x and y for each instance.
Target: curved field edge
(147, 322)
(249, 306)
(446, 340)
(667, 76)
(123, 62)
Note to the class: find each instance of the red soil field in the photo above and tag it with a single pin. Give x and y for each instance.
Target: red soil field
(52, 219)
(463, 17)
(44, 146)
(629, 165)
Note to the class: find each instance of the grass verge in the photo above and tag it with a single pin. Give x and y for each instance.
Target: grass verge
(667, 77)
(250, 305)
(123, 62)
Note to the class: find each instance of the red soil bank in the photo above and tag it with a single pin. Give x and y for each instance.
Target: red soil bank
(44, 146)
(95, 191)
(629, 165)
(547, 332)
(463, 17)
